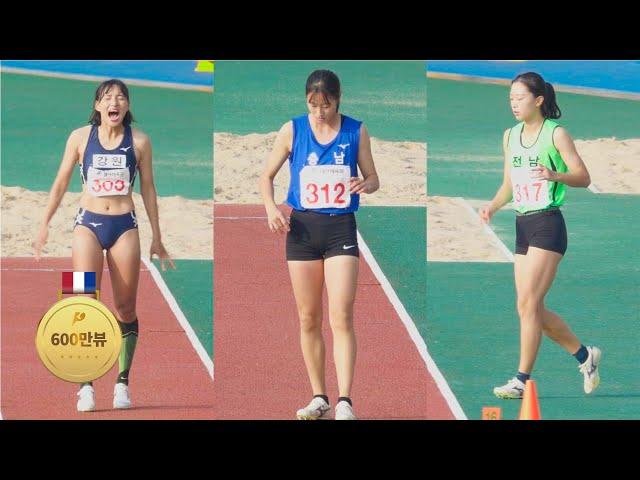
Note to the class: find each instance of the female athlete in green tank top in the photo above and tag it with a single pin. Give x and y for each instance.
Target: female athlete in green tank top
(540, 160)
(531, 194)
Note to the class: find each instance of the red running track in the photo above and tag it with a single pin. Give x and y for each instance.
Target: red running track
(168, 379)
(260, 371)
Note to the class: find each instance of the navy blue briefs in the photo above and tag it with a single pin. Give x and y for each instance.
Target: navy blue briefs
(107, 228)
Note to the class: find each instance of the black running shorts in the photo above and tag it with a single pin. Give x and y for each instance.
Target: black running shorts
(316, 236)
(545, 230)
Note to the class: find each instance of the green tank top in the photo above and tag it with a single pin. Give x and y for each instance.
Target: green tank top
(530, 194)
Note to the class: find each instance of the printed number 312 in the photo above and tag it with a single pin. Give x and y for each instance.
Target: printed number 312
(338, 188)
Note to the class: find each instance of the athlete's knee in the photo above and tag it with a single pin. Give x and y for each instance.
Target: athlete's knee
(548, 330)
(529, 307)
(341, 320)
(126, 311)
(549, 324)
(310, 320)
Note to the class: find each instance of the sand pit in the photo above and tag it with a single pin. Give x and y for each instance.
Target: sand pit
(186, 225)
(455, 234)
(614, 165)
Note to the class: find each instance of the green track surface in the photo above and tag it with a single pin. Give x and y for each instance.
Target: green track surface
(191, 283)
(396, 238)
(466, 121)
(260, 96)
(472, 330)
(39, 113)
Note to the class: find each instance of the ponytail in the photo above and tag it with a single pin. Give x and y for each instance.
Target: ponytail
(550, 108)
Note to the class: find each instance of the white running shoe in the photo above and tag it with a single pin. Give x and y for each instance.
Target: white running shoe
(121, 396)
(514, 388)
(316, 409)
(344, 411)
(590, 369)
(86, 399)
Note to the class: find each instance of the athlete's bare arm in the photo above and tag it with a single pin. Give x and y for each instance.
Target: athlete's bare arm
(504, 193)
(142, 145)
(281, 149)
(370, 182)
(578, 175)
(60, 184)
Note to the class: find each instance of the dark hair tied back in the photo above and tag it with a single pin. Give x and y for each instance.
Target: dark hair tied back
(539, 88)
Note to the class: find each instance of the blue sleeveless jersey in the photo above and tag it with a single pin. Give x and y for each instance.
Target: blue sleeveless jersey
(98, 157)
(308, 151)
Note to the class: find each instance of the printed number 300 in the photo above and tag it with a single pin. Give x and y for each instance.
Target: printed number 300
(108, 185)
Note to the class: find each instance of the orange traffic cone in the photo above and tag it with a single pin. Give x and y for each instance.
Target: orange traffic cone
(530, 409)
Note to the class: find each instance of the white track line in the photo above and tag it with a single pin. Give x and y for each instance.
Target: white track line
(501, 246)
(98, 78)
(184, 323)
(49, 269)
(239, 218)
(396, 205)
(445, 390)
(594, 189)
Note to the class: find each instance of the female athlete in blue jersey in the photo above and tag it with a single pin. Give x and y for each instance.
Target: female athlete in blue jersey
(109, 153)
(325, 149)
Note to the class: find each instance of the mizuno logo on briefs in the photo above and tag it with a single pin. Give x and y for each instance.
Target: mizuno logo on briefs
(124, 149)
(95, 224)
(347, 247)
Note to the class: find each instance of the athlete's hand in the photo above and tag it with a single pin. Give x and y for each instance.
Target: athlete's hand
(485, 214)
(40, 240)
(359, 185)
(158, 249)
(277, 220)
(543, 173)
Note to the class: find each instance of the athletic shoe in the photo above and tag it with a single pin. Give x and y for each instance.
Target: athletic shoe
(86, 399)
(121, 396)
(590, 369)
(316, 409)
(344, 411)
(514, 388)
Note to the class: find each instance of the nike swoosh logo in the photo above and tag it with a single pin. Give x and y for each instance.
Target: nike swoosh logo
(347, 247)
(95, 224)
(124, 149)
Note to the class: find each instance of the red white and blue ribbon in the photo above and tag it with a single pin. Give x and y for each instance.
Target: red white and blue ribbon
(79, 282)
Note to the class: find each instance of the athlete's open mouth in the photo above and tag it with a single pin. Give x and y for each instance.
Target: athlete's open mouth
(114, 116)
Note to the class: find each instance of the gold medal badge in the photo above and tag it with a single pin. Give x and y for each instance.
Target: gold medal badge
(78, 339)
